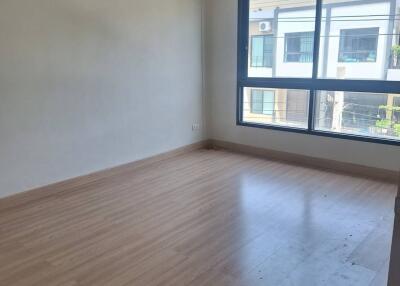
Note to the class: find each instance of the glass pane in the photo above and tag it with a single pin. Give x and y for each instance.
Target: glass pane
(360, 40)
(281, 107)
(269, 102)
(257, 51)
(256, 101)
(299, 47)
(287, 29)
(370, 114)
(358, 45)
(268, 50)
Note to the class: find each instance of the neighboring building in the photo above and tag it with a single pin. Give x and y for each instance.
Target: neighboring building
(357, 38)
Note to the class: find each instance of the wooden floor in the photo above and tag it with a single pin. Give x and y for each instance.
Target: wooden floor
(203, 218)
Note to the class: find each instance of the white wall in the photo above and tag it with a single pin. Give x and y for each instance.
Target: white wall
(90, 84)
(221, 63)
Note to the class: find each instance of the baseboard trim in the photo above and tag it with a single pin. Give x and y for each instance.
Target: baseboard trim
(23, 198)
(313, 162)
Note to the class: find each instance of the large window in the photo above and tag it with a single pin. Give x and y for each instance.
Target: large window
(358, 45)
(321, 67)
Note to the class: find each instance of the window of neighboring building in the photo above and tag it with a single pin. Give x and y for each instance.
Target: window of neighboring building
(297, 105)
(261, 51)
(299, 47)
(262, 101)
(358, 45)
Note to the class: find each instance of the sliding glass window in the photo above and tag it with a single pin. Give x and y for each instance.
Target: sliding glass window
(321, 67)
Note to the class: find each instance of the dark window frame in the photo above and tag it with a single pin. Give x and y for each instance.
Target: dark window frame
(313, 84)
(342, 45)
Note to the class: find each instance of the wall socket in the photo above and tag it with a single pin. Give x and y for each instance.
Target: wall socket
(196, 127)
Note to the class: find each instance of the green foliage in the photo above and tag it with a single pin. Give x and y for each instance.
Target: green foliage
(389, 108)
(389, 124)
(384, 123)
(396, 128)
(396, 50)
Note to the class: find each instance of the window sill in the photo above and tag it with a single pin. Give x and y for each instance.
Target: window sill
(351, 137)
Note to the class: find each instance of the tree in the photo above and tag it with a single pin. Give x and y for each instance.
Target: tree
(391, 125)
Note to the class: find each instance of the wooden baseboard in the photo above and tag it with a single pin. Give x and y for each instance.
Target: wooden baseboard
(26, 197)
(337, 166)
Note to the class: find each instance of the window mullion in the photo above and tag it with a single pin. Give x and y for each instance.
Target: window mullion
(311, 110)
(317, 39)
(243, 43)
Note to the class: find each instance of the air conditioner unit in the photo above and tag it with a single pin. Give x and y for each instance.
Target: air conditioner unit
(265, 26)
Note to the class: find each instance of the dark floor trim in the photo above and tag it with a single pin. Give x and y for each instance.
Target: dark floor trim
(336, 166)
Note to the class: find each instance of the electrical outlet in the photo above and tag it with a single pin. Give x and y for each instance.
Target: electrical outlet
(196, 127)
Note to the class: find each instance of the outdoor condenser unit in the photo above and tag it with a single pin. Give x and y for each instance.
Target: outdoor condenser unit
(265, 26)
